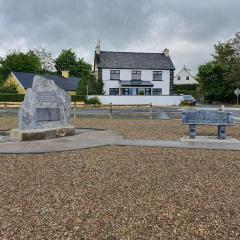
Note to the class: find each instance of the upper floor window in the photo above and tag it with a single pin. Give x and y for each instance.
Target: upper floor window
(114, 74)
(136, 75)
(179, 78)
(187, 78)
(157, 75)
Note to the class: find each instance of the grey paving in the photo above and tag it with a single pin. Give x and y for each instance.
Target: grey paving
(90, 138)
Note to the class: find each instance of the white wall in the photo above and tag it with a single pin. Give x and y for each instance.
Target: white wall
(126, 75)
(183, 74)
(133, 100)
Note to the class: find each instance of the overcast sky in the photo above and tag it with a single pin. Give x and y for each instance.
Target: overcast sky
(189, 28)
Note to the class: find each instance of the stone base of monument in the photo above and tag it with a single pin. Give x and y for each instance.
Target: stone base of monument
(41, 134)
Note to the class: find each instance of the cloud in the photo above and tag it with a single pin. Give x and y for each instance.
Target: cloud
(188, 28)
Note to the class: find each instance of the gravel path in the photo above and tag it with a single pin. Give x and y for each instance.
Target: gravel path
(121, 193)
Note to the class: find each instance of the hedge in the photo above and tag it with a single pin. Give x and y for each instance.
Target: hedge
(16, 97)
(78, 98)
(11, 97)
(186, 89)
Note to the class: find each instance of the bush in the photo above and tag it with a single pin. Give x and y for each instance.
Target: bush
(186, 89)
(78, 98)
(11, 97)
(93, 101)
(184, 103)
(8, 89)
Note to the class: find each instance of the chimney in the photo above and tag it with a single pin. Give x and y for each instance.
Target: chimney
(166, 52)
(97, 49)
(65, 74)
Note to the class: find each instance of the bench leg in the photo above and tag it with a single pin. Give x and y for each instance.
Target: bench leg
(221, 132)
(192, 131)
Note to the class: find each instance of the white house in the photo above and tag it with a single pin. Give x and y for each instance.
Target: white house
(135, 78)
(133, 73)
(184, 77)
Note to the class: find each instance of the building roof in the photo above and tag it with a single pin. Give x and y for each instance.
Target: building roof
(26, 80)
(135, 83)
(134, 60)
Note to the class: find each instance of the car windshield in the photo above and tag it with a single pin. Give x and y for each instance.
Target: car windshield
(188, 97)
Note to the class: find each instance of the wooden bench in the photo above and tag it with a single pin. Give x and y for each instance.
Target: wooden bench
(221, 119)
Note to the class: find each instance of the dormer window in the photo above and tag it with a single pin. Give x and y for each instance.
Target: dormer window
(187, 78)
(136, 75)
(114, 74)
(157, 75)
(179, 78)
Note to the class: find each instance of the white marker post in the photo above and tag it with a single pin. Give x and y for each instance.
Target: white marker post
(237, 93)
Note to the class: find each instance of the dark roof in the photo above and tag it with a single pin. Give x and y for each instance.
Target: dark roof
(136, 83)
(131, 60)
(68, 84)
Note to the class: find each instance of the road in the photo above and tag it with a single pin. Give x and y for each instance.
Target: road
(140, 112)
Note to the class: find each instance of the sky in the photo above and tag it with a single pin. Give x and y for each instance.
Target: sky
(188, 28)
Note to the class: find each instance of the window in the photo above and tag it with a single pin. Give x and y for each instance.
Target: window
(114, 74)
(187, 78)
(157, 91)
(147, 91)
(113, 91)
(179, 78)
(136, 75)
(125, 91)
(157, 75)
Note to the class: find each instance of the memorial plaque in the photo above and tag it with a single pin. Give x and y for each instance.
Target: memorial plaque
(48, 114)
(47, 96)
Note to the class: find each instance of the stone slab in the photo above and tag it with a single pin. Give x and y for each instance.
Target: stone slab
(209, 139)
(41, 134)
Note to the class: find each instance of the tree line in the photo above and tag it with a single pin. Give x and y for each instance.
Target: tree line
(221, 76)
(40, 61)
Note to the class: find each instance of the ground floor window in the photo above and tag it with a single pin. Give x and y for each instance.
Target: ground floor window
(136, 91)
(113, 91)
(147, 91)
(157, 91)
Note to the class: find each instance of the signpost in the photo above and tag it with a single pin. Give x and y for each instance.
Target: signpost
(237, 93)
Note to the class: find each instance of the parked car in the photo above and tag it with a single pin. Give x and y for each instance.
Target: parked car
(189, 99)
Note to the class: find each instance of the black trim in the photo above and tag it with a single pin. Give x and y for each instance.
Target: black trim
(171, 82)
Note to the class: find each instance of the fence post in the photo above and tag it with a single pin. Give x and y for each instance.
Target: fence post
(110, 110)
(150, 111)
(5, 107)
(74, 110)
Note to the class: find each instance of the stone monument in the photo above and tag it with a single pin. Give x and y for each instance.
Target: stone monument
(44, 113)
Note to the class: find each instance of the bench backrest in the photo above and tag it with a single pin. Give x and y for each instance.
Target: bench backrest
(207, 117)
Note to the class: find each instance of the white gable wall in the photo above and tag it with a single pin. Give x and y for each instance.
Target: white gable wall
(146, 75)
(183, 74)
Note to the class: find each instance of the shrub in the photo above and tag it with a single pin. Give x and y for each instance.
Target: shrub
(186, 89)
(11, 97)
(93, 100)
(184, 103)
(78, 98)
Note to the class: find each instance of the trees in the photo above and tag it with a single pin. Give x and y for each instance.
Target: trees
(46, 59)
(220, 77)
(67, 60)
(18, 61)
(89, 85)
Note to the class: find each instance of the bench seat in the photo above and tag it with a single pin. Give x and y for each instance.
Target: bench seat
(221, 119)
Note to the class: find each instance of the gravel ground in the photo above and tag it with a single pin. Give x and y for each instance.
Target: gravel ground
(151, 129)
(121, 193)
(137, 129)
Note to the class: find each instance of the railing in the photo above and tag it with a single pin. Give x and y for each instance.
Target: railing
(111, 108)
(9, 105)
